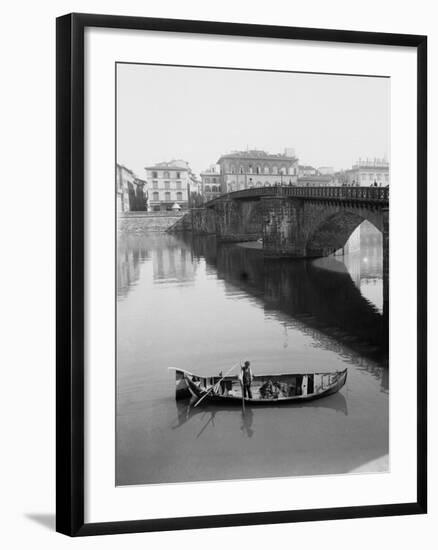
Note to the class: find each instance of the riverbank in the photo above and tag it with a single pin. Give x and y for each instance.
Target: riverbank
(146, 222)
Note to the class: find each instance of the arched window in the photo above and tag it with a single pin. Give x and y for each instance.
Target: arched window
(275, 169)
(207, 189)
(166, 175)
(267, 184)
(257, 169)
(259, 184)
(241, 169)
(266, 169)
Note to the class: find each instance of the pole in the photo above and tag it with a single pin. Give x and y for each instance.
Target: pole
(217, 383)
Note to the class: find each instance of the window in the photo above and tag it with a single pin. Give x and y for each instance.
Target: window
(179, 196)
(167, 185)
(178, 185)
(258, 170)
(178, 175)
(207, 189)
(166, 175)
(241, 169)
(155, 174)
(156, 196)
(167, 196)
(155, 184)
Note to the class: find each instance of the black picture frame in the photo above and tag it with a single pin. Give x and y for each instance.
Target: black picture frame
(70, 272)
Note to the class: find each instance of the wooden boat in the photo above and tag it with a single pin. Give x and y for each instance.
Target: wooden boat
(265, 388)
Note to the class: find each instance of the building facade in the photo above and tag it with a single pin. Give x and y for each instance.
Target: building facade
(369, 172)
(255, 168)
(211, 182)
(131, 193)
(169, 186)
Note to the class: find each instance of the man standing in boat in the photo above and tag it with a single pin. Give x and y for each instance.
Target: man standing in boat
(246, 379)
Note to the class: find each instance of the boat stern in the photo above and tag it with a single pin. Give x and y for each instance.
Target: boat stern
(181, 388)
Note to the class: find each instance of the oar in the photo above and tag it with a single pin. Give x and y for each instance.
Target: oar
(217, 383)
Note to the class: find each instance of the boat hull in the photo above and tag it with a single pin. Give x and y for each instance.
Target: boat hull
(307, 387)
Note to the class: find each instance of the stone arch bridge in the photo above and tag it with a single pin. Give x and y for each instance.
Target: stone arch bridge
(296, 222)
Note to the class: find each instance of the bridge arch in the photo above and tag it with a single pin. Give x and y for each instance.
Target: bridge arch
(330, 230)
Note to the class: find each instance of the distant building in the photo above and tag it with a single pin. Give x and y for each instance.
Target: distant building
(305, 170)
(169, 184)
(340, 178)
(211, 182)
(255, 168)
(131, 192)
(317, 180)
(367, 172)
(326, 170)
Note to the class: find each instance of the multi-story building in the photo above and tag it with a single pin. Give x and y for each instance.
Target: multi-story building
(169, 185)
(369, 172)
(255, 168)
(130, 190)
(211, 182)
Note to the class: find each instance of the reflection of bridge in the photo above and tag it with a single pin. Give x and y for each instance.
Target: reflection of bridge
(301, 292)
(296, 222)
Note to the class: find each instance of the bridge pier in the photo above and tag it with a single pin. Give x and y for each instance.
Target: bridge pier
(203, 221)
(283, 227)
(238, 221)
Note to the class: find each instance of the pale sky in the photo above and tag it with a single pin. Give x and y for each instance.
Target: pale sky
(198, 114)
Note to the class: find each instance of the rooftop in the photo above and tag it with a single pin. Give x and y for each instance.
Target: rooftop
(170, 165)
(256, 154)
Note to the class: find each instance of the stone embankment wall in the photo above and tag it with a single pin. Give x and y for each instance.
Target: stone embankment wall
(182, 224)
(146, 222)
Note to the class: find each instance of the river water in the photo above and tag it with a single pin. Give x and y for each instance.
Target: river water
(192, 303)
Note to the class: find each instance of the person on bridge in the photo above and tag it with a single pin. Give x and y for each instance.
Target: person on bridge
(246, 379)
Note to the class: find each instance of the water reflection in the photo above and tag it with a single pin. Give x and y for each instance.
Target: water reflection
(172, 260)
(131, 252)
(319, 294)
(186, 410)
(326, 298)
(192, 303)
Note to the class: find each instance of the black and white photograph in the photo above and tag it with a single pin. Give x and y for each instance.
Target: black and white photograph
(252, 328)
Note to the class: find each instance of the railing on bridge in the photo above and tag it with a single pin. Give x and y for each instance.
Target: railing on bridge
(358, 193)
(374, 194)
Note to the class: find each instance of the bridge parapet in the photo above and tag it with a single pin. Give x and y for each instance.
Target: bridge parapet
(379, 194)
(372, 194)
